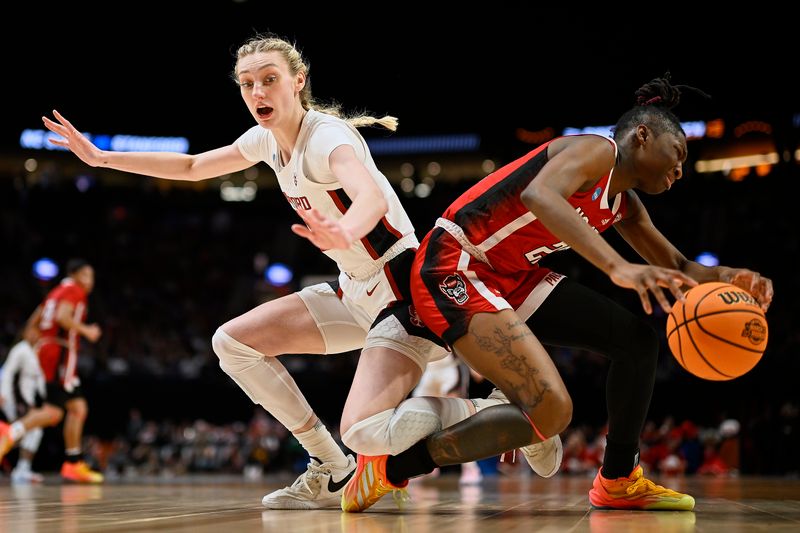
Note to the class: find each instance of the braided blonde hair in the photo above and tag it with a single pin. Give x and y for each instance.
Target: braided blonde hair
(269, 43)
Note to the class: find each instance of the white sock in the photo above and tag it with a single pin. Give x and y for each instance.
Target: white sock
(23, 465)
(72, 452)
(318, 443)
(17, 431)
(482, 403)
(451, 411)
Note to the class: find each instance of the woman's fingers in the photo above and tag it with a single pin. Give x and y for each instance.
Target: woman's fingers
(645, 300)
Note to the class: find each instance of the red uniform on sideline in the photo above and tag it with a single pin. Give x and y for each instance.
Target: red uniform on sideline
(58, 351)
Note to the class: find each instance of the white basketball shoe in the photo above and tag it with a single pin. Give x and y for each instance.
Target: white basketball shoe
(543, 457)
(319, 487)
(25, 475)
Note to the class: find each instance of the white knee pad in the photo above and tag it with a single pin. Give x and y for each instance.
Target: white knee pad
(388, 433)
(264, 380)
(30, 442)
(396, 430)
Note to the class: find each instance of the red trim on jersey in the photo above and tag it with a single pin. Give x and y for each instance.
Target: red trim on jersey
(392, 282)
(493, 217)
(337, 201)
(370, 250)
(339, 292)
(391, 229)
(493, 179)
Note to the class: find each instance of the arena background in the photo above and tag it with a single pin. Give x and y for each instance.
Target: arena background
(175, 261)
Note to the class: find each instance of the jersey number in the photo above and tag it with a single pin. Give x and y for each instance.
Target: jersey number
(48, 314)
(535, 255)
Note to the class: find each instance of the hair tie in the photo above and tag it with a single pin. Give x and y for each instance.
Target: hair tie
(653, 100)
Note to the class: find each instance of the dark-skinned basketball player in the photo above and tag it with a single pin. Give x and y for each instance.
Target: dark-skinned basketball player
(481, 263)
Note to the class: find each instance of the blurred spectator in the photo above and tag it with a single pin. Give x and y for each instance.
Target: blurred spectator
(177, 262)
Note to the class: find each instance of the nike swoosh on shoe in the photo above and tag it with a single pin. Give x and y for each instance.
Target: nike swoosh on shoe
(336, 486)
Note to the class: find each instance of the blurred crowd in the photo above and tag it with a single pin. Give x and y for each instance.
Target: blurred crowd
(173, 264)
(262, 446)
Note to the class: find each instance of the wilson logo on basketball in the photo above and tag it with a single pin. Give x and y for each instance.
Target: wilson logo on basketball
(731, 297)
(454, 288)
(755, 331)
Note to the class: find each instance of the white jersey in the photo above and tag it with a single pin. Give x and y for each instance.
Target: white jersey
(21, 369)
(307, 181)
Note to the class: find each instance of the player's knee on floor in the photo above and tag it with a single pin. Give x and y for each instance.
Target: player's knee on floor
(395, 430)
(369, 436)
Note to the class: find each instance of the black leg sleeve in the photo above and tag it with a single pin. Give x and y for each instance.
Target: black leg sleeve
(577, 317)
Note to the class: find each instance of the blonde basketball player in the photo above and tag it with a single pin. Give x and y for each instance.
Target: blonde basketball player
(324, 169)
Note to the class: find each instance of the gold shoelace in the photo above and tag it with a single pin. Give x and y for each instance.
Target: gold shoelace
(644, 485)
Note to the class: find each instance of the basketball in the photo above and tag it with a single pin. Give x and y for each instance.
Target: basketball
(718, 333)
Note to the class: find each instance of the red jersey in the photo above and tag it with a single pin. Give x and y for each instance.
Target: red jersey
(494, 219)
(58, 349)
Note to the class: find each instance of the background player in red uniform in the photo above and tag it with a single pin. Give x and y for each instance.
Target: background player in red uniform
(62, 320)
(480, 263)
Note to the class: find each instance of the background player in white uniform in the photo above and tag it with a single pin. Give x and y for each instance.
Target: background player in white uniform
(325, 170)
(22, 387)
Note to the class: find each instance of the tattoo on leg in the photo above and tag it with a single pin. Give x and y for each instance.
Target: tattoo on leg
(529, 389)
(446, 447)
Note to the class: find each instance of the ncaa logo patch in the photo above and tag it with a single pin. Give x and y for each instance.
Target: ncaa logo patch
(596, 193)
(454, 288)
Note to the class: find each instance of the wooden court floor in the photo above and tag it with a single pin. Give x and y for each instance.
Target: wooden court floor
(505, 504)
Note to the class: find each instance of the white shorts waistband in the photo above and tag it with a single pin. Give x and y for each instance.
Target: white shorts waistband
(368, 270)
(458, 234)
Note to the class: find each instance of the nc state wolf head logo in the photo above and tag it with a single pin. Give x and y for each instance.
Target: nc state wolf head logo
(754, 331)
(454, 288)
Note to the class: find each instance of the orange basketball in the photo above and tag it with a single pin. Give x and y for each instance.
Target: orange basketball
(718, 333)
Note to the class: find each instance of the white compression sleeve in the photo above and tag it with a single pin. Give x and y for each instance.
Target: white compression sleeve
(264, 379)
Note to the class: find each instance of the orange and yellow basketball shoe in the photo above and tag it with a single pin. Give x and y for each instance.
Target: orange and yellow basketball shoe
(369, 484)
(636, 492)
(6, 442)
(80, 472)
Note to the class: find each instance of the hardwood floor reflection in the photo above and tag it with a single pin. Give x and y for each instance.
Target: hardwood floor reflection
(502, 505)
